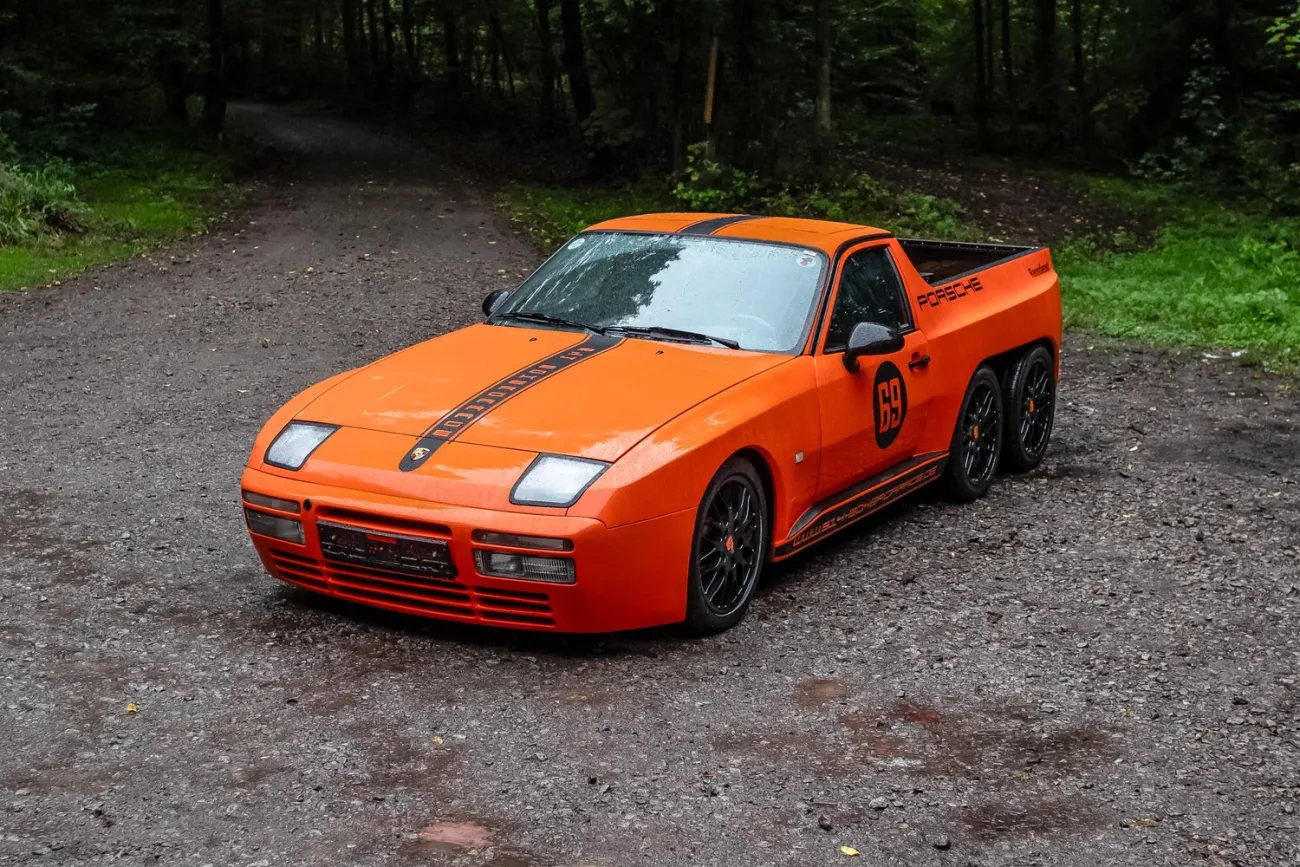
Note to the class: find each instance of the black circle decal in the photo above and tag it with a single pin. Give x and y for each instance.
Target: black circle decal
(889, 398)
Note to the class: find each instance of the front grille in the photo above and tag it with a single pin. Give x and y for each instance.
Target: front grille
(381, 523)
(513, 606)
(296, 569)
(415, 593)
(412, 555)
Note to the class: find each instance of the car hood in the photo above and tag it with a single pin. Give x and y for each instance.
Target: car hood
(534, 389)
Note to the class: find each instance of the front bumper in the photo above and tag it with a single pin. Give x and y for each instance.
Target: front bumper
(627, 577)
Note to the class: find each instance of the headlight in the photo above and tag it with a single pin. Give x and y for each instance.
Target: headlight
(274, 526)
(296, 443)
(554, 480)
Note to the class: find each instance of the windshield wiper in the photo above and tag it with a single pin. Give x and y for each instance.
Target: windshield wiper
(673, 334)
(547, 319)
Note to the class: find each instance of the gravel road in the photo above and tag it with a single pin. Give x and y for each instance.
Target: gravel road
(1096, 664)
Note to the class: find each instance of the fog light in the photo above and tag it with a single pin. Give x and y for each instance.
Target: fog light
(274, 526)
(528, 567)
(512, 540)
(272, 502)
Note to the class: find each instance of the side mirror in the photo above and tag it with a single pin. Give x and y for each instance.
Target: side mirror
(869, 338)
(494, 300)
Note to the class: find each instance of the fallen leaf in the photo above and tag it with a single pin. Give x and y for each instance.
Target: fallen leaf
(437, 740)
(850, 851)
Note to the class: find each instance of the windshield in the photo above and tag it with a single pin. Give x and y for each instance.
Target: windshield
(759, 296)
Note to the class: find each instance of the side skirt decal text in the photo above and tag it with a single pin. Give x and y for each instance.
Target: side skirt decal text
(862, 500)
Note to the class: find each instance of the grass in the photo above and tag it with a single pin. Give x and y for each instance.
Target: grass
(549, 216)
(138, 191)
(1233, 284)
(1218, 276)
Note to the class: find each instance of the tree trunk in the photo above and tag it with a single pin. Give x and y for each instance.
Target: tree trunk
(575, 61)
(1045, 58)
(494, 22)
(822, 109)
(318, 35)
(171, 68)
(408, 36)
(372, 29)
(547, 56)
(214, 85)
(743, 94)
(1009, 74)
(674, 38)
(990, 58)
(1077, 72)
(351, 43)
(981, 109)
(389, 48)
(451, 50)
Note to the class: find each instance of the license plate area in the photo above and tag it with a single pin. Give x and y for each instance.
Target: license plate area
(396, 553)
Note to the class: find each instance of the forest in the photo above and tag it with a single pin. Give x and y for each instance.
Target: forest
(1146, 140)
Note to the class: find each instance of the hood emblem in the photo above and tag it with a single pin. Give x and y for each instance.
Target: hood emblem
(419, 454)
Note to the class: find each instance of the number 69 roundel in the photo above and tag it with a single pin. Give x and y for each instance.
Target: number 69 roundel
(889, 400)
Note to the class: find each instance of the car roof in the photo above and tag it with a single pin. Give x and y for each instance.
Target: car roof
(821, 234)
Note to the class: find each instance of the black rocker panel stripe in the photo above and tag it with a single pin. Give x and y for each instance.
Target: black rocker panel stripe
(860, 500)
(708, 227)
(453, 424)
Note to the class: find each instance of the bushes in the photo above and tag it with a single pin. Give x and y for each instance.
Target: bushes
(859, 198)
(35, 202)
(100, 198)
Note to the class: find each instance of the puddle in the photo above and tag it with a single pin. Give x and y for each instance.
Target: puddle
(455, 836)
(997, 743)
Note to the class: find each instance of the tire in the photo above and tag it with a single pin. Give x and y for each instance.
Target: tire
(728, 550)
(1030, 401)
(976, 439)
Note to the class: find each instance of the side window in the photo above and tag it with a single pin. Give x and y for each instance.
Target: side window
(869, 292)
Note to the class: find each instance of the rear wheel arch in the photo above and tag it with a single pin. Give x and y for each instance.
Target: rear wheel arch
(1004, 363)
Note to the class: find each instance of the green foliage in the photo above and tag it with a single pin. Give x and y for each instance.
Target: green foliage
(142, 190)
(35, 202)
(1232, 281)
(552, 215)
(858, 198)
(710, 186)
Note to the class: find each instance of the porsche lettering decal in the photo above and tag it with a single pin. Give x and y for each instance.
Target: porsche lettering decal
(453, 424)
(950, 292)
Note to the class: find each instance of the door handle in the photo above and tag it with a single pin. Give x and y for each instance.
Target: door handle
(923, 361)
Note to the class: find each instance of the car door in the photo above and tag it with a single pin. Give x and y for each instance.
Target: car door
(873, 418)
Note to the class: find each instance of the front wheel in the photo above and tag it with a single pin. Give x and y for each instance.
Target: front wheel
(729, 549)
(976, 440)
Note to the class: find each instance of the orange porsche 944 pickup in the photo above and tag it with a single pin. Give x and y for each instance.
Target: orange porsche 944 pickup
(667, 405)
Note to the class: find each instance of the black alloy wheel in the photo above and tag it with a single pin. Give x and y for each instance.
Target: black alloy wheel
(1031, 410)
(729, 549)
(977, 439)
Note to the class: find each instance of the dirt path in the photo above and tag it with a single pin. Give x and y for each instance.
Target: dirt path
(1095, 665)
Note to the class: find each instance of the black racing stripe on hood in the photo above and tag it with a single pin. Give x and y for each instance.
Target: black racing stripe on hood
(454, 423)
(708, 227)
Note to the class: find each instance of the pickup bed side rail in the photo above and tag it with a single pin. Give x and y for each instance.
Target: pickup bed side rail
(942, 261)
